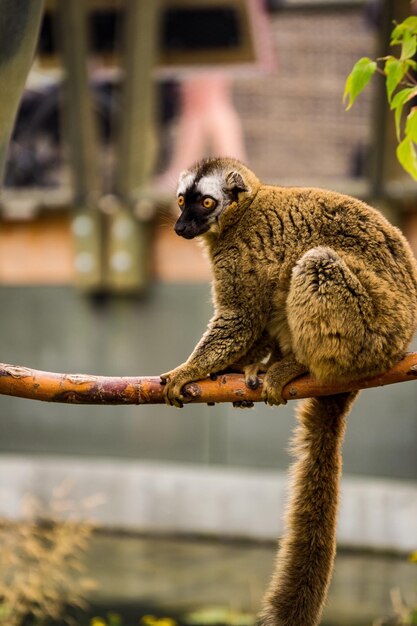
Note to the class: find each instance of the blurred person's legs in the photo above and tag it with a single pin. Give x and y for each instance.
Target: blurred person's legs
(223, 125)
(208, 122)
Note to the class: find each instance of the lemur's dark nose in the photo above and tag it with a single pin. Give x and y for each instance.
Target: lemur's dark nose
(180, 228)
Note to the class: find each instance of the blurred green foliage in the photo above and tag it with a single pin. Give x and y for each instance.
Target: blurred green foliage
(401, 86)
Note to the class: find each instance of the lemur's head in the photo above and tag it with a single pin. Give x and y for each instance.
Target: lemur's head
(207, 191)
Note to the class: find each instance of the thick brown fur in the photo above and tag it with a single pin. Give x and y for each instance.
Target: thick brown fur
(309, 280)
(305, 559)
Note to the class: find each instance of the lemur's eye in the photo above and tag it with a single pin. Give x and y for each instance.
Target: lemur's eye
(181, 200)
(208, 203)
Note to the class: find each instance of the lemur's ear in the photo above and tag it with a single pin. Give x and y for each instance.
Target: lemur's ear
(235, 182)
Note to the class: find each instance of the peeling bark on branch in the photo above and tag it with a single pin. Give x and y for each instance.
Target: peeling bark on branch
(24, 382)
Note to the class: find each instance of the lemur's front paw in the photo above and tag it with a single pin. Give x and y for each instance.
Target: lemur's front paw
(174, 382)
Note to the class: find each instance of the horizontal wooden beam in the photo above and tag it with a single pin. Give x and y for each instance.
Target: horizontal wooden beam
(24, 382)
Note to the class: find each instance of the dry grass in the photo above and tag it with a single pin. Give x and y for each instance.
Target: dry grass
(42, 569)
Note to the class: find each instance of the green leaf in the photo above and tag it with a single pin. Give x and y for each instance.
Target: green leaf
(408, 46)
(397, 104)
(411, 125)
(361, 74)
(411, 64)
(409, 25)
(401, 97)
(406, 155)
(394, 70)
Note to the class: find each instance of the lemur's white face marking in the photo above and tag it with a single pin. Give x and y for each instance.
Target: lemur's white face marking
(211, 186)
(185, 182)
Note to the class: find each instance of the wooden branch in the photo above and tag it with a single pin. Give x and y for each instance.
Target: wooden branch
(32, 384)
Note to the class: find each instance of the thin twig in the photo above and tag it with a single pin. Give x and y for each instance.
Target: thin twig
(24, 382)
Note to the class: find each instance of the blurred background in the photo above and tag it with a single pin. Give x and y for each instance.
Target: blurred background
(122, 95)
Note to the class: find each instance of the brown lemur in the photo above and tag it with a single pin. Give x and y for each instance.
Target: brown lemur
(311, 280)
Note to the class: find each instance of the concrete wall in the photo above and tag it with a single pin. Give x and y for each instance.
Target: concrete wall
(162, 498)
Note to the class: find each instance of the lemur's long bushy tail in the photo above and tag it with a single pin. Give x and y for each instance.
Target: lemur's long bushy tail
(304, 565)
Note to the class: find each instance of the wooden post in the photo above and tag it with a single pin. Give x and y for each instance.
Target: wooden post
(128, 235)
(80, 127)
(384, 166)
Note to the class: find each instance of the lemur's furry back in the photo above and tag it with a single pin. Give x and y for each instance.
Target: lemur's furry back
(303, 280)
